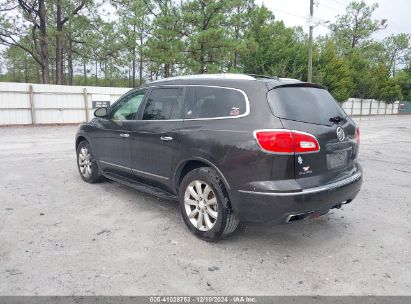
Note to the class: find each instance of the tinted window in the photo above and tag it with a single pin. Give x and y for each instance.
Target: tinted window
(209, 102)
(127, 108)
(164, 103)
(304, 104)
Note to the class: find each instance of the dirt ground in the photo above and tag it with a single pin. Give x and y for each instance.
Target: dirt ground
(61, 236)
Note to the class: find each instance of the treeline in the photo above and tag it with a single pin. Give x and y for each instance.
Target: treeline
(129, 42)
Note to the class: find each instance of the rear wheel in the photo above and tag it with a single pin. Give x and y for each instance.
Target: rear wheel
(86, 163)
(205, 206)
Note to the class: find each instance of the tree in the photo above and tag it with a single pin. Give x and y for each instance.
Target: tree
(134, 28)
(206, 41)
(356, 26)
(274, 49)
(390, 91)
(109, 48)
(165, 46)
(23, 25)
(73, 41)
(384, 87)
(65, 10)
(361, 75)
(239, 18)
(396, 48)
(334, 73)
(403, 80)
(20, 66)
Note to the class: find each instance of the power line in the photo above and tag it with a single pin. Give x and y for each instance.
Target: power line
(329, 7)
(342, 3)
(287, 13)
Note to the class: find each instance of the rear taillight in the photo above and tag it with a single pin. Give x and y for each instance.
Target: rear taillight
(357, 135)
(286, 141)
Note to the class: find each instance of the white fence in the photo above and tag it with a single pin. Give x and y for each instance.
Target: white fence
(24, 103)
(364, 107)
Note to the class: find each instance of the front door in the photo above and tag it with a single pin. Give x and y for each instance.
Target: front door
(155, 137)
(112, 140)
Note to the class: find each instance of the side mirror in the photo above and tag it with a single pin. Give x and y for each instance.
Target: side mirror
(101, 112)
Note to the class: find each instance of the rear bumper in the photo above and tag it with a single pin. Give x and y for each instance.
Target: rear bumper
(277, 207)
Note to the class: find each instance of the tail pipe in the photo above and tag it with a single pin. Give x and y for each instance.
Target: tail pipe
(298, 217)
(311, 214)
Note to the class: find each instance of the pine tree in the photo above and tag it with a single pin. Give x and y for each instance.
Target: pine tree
(334, 73)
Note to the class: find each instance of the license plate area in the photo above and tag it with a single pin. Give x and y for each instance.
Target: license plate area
(337, 159)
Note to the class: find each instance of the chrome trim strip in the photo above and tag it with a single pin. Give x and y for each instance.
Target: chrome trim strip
(328, 187)
(134, 170)
(247, 102)
(246, 113)
(111, 164)
(150, 174)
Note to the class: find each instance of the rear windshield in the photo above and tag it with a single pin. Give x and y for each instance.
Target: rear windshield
(306, 104)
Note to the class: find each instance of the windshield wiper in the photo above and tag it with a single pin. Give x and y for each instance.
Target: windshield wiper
(336, 119)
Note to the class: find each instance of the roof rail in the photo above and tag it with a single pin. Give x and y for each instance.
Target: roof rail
(263, 76)
(289, 79)
(209, 76)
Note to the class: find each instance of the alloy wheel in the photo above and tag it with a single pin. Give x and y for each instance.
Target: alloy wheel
(85, 162)
(201, 205)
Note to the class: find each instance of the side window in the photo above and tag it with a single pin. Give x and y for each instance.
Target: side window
(127, 108)
(212, 102)
(164, 104)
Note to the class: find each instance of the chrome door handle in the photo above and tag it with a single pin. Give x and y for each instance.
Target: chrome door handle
(125, 135)
(166, 138)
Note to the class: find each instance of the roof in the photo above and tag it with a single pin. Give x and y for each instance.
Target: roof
(208, 76)
(231, 78)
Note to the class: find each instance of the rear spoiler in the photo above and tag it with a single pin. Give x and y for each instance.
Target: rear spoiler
(272, 86)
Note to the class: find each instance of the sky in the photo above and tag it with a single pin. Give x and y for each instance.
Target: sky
(295, 13)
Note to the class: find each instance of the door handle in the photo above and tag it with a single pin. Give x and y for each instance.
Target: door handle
(166, 138)
(125, 135)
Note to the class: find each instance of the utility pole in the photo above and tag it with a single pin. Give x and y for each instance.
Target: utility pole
(310, 43)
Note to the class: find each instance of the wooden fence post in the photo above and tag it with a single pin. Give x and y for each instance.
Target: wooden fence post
(361, 108)
(32, 105)
(85, 102)
(352, 107)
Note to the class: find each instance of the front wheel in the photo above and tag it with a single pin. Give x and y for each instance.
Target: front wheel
(205, 206)
(86, 163)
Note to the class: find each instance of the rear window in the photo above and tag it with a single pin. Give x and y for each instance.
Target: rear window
(304, 104)
(213, 102)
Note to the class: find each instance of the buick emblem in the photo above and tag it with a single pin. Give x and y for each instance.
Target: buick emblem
(340, 134)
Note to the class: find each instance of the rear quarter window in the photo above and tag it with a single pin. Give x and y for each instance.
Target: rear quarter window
(305, 104)
(215, 102)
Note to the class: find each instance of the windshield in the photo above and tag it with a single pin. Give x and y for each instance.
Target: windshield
(306, 104)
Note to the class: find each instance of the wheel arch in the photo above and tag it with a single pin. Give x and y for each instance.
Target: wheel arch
(82, 136)
(190, 164)
(79, 139)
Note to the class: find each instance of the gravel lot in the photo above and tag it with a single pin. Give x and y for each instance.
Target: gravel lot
(61, 236)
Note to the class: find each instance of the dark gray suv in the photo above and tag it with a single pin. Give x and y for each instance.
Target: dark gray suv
(228, 147)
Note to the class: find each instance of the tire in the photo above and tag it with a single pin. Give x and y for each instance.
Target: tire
(89, 171)
(212, 203)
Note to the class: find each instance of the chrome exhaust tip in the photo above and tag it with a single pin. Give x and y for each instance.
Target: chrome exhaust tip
(298, 216)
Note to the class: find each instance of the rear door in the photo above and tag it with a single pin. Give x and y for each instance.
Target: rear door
(313, 110)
